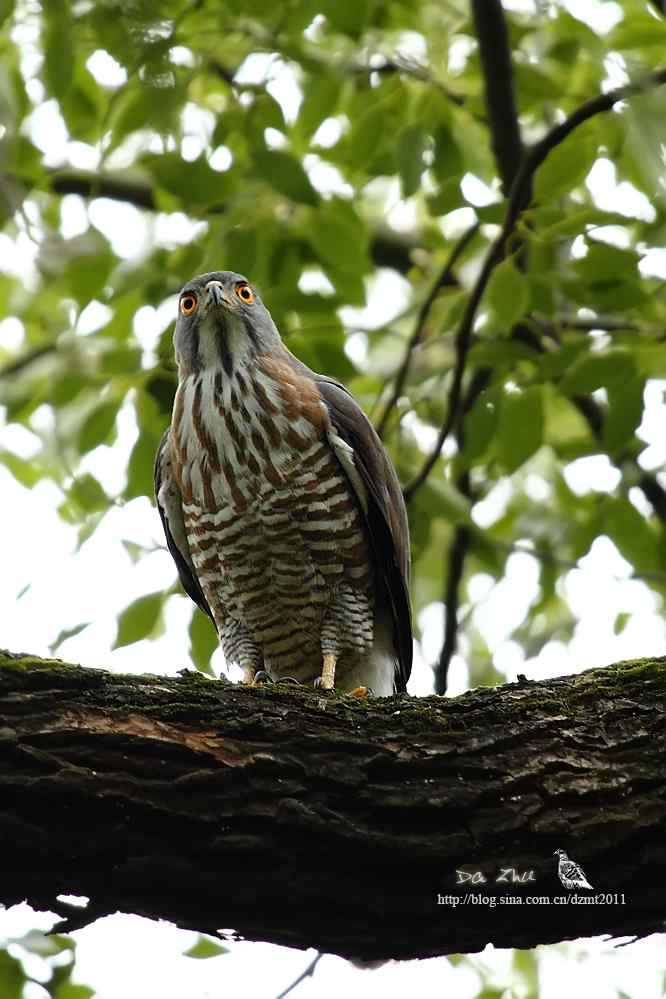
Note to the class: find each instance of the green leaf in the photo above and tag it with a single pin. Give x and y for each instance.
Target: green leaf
(566, 167)
(621, 622)
(508, 293)
(98, 426)
(26, 472)
(45, 944)
(599, 370)
(448, 162)
(140, 467)
(89, 262)
(203, 641)
(632, 534)
(604, 262)
(521, 423)
(339, 238)
(625, 412)
(68, 990)
(206, 947)
(58, 40)
(285, 174)
(348, 16)
(67, 633)
(87, 493)
(366, 134)
(6, 10)
(196, 184)
(139, 619)
(446, 501)
(12, 977)
(319, 102)
(447, 198)
(409, 153)
(480, 425)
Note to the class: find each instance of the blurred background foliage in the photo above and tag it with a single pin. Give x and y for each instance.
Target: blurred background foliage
(345, 155)
(326, 150)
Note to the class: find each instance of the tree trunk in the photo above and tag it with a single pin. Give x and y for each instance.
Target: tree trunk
(318, 820)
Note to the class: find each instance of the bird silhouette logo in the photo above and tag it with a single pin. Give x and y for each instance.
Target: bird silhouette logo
(570, 873)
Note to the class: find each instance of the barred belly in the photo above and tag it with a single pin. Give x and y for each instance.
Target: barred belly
(274, 528)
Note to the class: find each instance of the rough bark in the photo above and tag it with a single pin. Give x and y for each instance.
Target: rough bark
(315, 820)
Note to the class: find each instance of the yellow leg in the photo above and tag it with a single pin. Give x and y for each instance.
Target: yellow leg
(328, 671)
(248, 674)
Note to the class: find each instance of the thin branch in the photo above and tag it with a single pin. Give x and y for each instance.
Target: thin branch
(307, 973)
(119, 187)
(518, 202)
(455, 562)
(497, 70)
(25, 359)
(415, 70)
(495, 51)
(444, 279)
(654, 493)
(458, 549)
(609, 324)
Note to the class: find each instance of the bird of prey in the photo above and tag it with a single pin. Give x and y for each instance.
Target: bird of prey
(281, 509)
(570, 873)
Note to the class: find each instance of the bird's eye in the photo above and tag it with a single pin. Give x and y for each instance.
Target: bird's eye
(188, 303)
(245, 293)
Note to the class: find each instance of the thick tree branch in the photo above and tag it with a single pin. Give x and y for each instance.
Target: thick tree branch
(322, 821)
(495, 51)
(518, 202)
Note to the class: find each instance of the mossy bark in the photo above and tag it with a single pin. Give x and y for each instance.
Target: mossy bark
(323, 821)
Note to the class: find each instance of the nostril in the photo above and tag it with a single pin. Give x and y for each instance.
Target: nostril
(215, 292)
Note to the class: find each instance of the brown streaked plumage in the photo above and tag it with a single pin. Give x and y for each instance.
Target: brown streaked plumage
(280, 506)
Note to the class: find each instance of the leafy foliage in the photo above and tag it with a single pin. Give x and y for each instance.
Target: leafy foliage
(38, 959)
(275, 139)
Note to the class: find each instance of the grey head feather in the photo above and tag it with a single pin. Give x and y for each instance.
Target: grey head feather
(223, 329)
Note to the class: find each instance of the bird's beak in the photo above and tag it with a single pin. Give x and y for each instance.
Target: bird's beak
(215, 296)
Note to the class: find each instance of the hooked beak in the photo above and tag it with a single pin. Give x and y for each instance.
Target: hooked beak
(215, 296)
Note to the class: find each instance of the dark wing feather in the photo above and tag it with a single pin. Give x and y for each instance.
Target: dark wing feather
(169, 504)
(386, 515)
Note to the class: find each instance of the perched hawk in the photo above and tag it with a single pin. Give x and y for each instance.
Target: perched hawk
(280, 506)
(570, 873)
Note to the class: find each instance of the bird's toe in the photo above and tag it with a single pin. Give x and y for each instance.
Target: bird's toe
(361, 692)
(261, 677)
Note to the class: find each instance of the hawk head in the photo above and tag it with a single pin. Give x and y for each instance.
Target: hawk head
(221, 322)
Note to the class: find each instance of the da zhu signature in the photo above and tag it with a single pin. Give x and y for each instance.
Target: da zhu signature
(509, 875)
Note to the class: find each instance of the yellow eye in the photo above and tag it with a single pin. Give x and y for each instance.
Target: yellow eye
(188, 303)
(245, 293)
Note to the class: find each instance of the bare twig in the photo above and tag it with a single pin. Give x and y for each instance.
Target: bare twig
(455, 566)
(445, 278)
(518, 202)
(497, 70)
(415, 70)
(306, 973)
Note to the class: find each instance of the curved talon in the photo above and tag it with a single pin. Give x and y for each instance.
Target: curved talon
(288, 679)
(261, 676)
